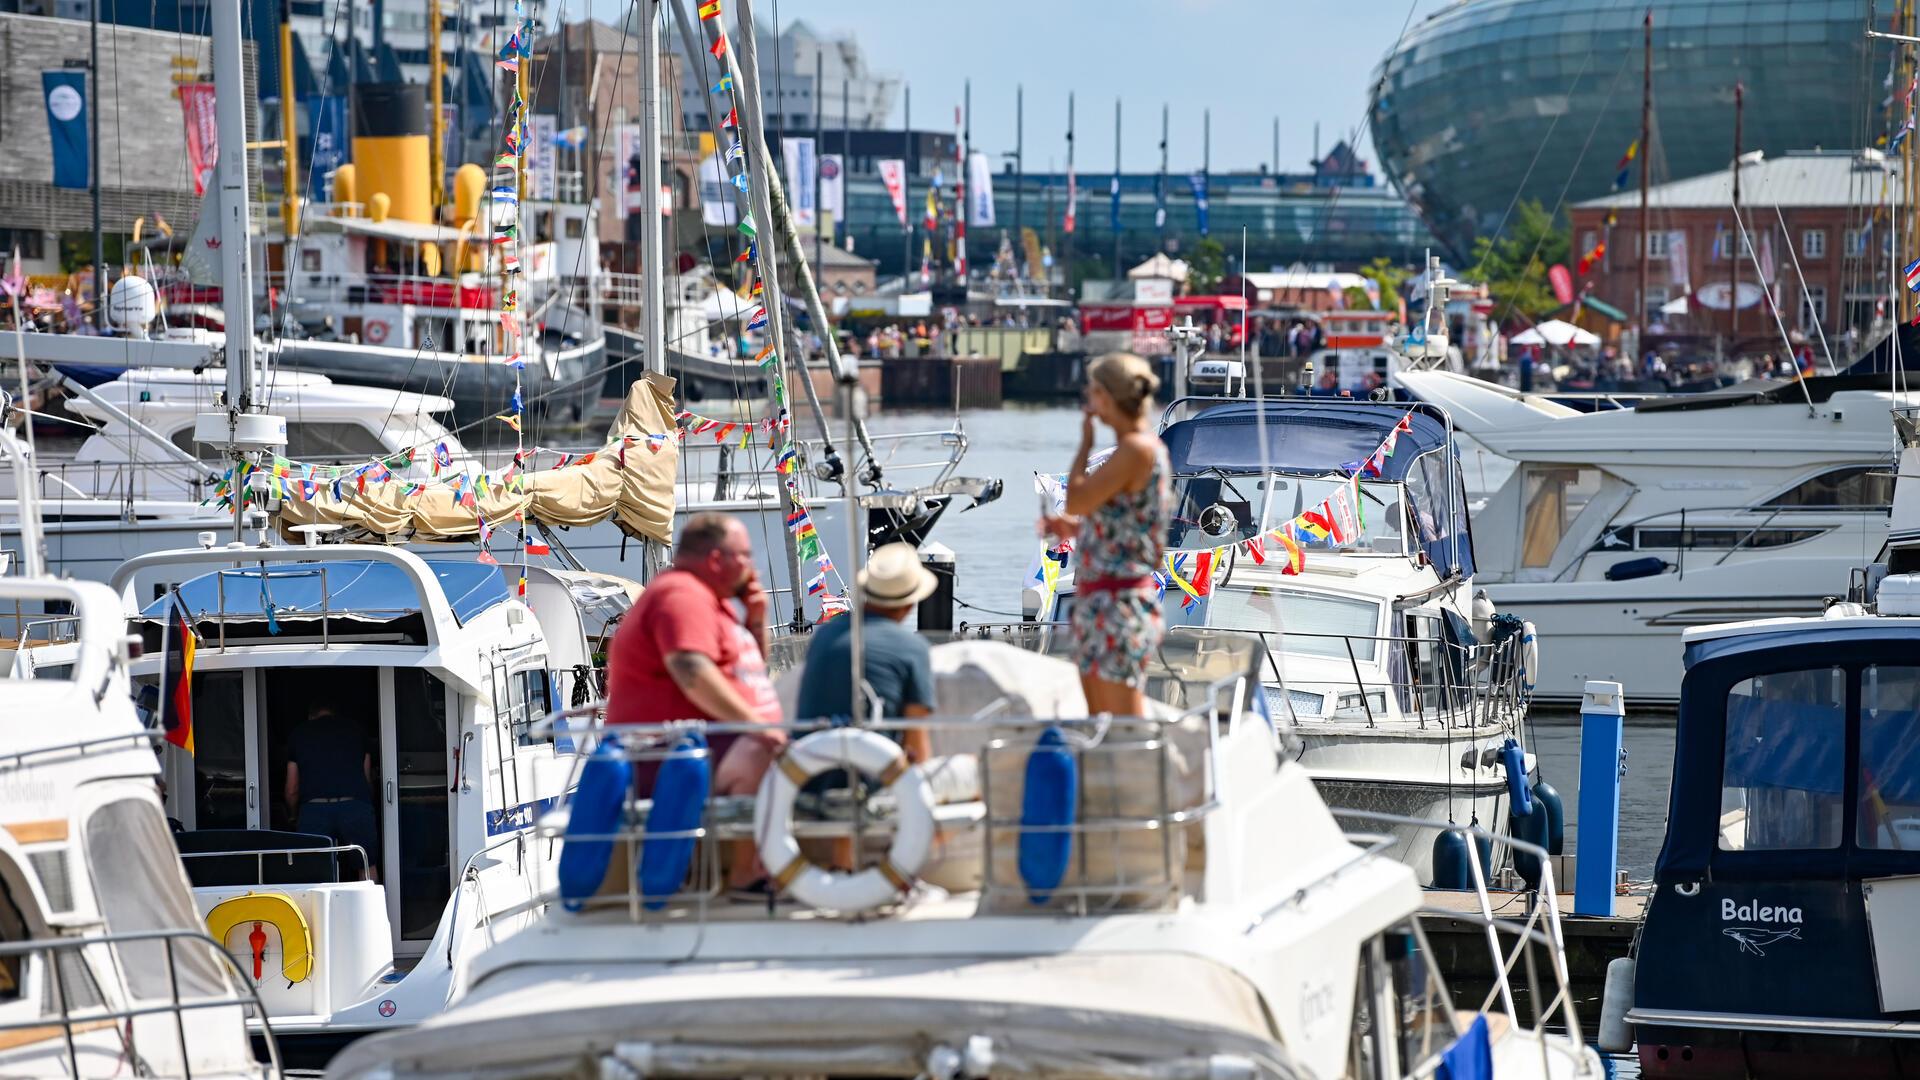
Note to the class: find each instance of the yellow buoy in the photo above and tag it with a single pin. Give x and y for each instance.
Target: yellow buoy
(266, 909)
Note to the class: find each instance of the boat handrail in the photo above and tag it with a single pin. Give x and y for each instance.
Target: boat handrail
(80, 747)
(244, 996)
(1679, 514)
(260, 859)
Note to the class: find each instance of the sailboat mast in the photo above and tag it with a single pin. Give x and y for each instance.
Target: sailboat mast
(236, 271)
(1733, 298)
(1646, 155)
(653, 270)
(436, 112)
(289, 136)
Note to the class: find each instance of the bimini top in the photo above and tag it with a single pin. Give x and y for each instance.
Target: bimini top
(1314, 436)
(1797, 752)
(357, 589)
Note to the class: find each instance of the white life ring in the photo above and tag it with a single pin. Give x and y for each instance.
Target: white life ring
(817, 886)
(377, 331)
(1529, 657)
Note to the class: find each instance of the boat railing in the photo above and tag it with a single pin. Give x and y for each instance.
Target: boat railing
(74, 1019)
(1429, 679)
(80, 747)
(288, 855)
(1676, 519)
(1151, 779)
(726, 470)
(117, 484)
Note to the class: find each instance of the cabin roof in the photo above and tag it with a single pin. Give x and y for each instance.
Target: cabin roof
(1312, 436)
(359, 589)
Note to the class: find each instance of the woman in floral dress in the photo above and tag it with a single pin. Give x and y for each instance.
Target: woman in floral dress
(1119, 514)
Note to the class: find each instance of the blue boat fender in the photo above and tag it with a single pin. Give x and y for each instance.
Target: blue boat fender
(593, 814)
(1450, 868)
(1049, 801)
(1519, 793)
(1548, 797)
(679, 803)
(1531, 827)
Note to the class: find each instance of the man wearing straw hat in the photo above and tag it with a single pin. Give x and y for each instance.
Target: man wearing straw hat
(898, 667)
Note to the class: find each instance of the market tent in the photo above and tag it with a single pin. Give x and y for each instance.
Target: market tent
(1555, 332)
(1160, 266)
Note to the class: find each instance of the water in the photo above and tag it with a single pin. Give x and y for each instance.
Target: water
(995, 544)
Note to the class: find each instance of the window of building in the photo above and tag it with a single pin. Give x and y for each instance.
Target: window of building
(1856, 487)
(1859, 241)
(1657, 296)
(1657, 245)
(1813, 243)
(1813, 307)
(1780, 788)
(1889, 796)
(30, 243)
(1722, 243)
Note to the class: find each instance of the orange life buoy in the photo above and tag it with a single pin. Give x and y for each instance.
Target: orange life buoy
(376, 331)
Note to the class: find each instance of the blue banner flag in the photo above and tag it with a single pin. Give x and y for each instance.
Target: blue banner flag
(1200, 200)
(328, 146)
(66, 97)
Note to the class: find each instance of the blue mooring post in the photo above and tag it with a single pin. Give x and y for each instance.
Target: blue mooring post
(1603, 713)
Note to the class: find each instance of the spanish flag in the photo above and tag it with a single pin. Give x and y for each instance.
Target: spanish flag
(176, 679)
(710, 9)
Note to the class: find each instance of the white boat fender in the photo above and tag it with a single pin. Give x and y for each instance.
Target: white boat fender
(875, 755)
(1529, 657)
(1615, 1034)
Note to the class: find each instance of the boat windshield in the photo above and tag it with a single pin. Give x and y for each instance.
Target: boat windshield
(1204, 502)
(1315, 623)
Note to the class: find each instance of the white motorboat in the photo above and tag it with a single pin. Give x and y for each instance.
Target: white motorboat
(439, 669)
(1403, 697)
(1618, 530)
(105, 967)
(1118, 897)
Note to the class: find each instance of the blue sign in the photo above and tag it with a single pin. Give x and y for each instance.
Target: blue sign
(66, 96)
(1200, 200)
(329, 149)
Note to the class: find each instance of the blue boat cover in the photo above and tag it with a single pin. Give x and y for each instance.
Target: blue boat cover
(350, 588)
(1311, 437)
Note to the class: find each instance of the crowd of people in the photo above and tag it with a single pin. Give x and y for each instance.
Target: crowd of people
(694, 645)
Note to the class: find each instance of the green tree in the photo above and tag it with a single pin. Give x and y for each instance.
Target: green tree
(1206, 267)
(1514, 265)
(1389, 277)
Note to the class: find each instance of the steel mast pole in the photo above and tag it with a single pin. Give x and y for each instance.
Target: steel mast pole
(653, 270)
(235, 235)
(1646, 155)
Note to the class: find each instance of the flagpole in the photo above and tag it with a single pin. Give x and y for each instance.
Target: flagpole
(906, 191)
(1066, 272)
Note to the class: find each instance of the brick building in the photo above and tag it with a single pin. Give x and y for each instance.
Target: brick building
(1817, 229)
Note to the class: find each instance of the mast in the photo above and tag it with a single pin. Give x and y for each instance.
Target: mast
(1911, 176)
(436, 111)
(1072, 210)
(1733, 298)
(1646, 155)
(653, 270)
(846, 161)
(289, 135)
(1020, 176)
(819, 145)
(1115, 214)
(236, 271)
(1276, 146)
(962, 144)
(93, 156)
(1160, 187)
(906, 190)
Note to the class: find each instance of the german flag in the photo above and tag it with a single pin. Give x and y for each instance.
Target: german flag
(176, 680)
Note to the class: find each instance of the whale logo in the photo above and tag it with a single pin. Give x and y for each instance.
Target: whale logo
(1755, 939)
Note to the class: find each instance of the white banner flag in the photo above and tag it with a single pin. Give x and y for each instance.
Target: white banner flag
(979, 190)
(627, 139)
(801, 194)
(1677, 270)
(893, 173)
(541, 159)
(833, 187)
(716, 194)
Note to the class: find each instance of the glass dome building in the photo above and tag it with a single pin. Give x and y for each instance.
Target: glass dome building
(1490, 99)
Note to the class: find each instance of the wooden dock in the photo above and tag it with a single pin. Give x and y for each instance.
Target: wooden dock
(1460, 945)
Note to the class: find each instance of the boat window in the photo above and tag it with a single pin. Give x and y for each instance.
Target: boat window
(1719, 539)
(138, 884)
(13, 930)
(1889, 813)
(1784, 767)
(1857, 487)
(1315, 624)
(531, 700)
(220, 751)
(1381, 514)
(1554, 496)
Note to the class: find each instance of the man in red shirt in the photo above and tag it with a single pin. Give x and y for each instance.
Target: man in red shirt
(681, 653)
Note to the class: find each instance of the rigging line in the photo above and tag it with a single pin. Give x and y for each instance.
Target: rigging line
(1773, 308)
(1795, 256)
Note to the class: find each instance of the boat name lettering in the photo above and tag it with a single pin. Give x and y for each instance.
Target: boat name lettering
(1732, 910)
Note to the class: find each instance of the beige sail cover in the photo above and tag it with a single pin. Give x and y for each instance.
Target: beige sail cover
(626, 481)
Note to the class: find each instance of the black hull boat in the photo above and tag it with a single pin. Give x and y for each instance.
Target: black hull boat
(1779, 941)
(479, 386)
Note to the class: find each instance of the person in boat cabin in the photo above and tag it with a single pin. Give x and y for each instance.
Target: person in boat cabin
(694, 648)
(1118, 516)
(329, 783)
(897, 663)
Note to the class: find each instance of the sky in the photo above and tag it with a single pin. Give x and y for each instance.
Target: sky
(1249, 61)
